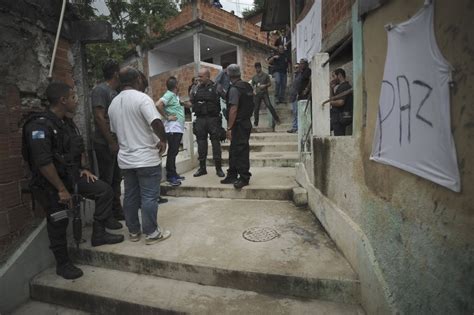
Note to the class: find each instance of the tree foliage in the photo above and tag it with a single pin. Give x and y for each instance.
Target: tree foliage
(257, 6)
(133, 22)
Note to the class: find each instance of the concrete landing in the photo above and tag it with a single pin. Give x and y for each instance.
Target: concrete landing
(40, 308)
(207, 247)
(268, 183)
(267, 146)
(106, 291)
(264, 159)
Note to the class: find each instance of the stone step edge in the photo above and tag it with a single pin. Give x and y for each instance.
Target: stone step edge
(228, 191)
(334, 290)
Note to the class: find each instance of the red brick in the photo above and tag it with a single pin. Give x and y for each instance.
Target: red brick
(9, 195)
(19, 217)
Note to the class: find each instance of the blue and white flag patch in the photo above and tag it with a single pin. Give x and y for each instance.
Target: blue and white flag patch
(37, 134)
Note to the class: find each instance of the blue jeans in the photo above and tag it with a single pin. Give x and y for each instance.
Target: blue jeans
(142, 190)
(280, 82)
(294, 106)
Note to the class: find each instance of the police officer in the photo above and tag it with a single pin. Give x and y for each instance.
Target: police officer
(206, 106)
(240, 107)
(53, 148)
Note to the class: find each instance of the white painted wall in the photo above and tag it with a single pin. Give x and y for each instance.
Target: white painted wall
(159, 62)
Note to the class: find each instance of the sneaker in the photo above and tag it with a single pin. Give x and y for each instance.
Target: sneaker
(135, 237)
(174, 181)
(292, 131)
(239, 184)
(181, 177)
(162, 200)
(160, 237)
(69, 271)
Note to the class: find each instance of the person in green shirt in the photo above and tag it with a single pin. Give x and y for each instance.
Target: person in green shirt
(261, 82)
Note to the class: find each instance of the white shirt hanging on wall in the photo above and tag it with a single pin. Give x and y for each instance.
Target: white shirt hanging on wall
(413, 130)
(308, 33)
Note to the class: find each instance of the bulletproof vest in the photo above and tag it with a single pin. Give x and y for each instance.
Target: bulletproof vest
(67, 146)
(206, 101)
(246, 105)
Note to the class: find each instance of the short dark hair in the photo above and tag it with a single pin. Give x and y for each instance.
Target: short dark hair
(109, 68)
(171, 83)
(225, 65)
(129, 76)
(340, 71)
(56, 90)
(258, 64)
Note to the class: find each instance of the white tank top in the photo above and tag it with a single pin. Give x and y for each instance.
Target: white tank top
(413, 130)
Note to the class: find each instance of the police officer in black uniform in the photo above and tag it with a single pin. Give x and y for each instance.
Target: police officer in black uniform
(53, 148)
(240, 107)
(206, 106)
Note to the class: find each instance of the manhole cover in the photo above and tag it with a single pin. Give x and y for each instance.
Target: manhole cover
(260, 234)
(271, 155)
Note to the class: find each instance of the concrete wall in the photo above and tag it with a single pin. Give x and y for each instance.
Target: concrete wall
(410, 240)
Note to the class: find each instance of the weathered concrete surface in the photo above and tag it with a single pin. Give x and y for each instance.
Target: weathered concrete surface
(31, 257)
(300, 196)
(264, 159)
(207, 247)
(267, 146)
(40, 308)
(273, 137)
(104, 291)
(268, 183)
(418, 235)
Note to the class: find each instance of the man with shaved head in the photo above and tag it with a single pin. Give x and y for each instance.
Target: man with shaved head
(206, 106)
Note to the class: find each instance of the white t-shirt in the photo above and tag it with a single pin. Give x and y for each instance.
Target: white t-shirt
(131, 114)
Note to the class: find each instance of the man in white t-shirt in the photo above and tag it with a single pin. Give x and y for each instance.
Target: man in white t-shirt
(142, 139)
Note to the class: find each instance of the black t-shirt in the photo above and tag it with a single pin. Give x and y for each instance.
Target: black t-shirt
(348, 99)
(102, 95)
(280, 64)
(303, 83)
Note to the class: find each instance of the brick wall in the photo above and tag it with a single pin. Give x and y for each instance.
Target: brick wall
(249, 57)
(16, 214)
(184, 75)
(333, 12)
(217, 17)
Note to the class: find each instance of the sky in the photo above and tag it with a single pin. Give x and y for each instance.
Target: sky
(237, 5)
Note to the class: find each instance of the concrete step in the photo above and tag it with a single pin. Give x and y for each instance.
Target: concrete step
(273, 137)
(283, 127)
(267, 183)
(267, 146)
(41, 308)
(264, 159)
(294, 258)
(103, 291)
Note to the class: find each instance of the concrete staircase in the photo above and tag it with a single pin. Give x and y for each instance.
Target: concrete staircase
(231, 252)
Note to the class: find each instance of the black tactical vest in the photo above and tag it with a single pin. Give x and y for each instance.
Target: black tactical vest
(206, 101)
(246, 105)
(67, 147)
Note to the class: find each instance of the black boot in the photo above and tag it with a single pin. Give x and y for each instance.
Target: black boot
(202, 169)
(219, 171)
(112, 224)
(229, 179)
(68, 271)
(102, 237)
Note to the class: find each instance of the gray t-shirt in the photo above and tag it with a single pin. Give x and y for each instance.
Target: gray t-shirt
(260, 79)
(234, 96)
(102, 95)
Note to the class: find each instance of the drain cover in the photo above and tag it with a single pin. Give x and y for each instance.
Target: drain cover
(260, 234)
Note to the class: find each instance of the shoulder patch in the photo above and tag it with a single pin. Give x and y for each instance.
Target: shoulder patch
(37, 134)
